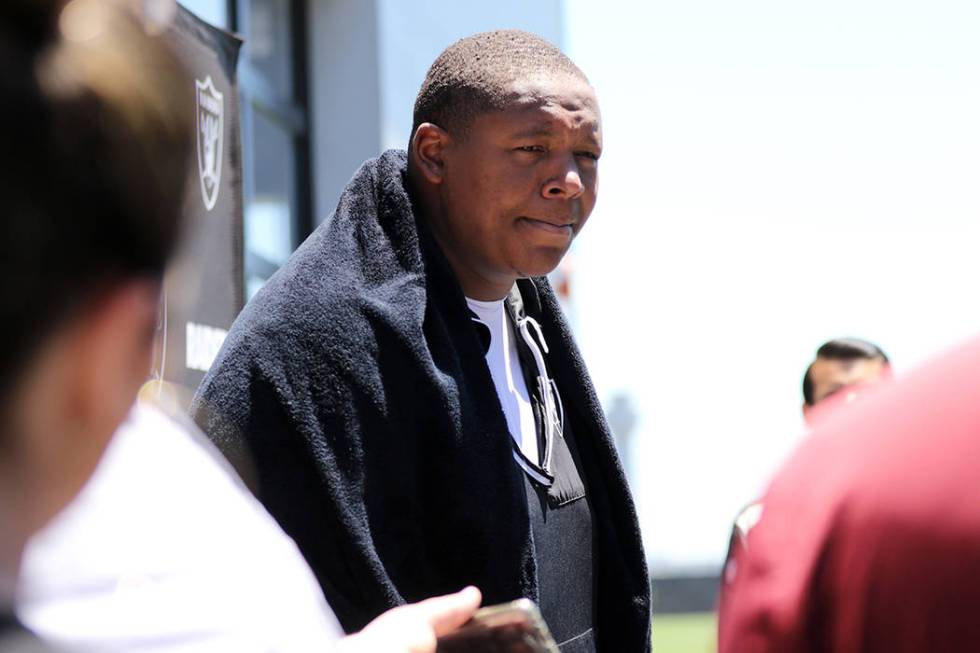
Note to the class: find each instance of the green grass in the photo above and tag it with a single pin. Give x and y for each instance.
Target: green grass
(684, 633)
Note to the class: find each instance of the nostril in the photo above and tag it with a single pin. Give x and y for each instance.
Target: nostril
(554, 190)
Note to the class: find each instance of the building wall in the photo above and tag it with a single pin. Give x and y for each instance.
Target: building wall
(414, 33)
(345, 91)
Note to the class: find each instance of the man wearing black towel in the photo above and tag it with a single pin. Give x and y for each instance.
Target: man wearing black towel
(406, 387)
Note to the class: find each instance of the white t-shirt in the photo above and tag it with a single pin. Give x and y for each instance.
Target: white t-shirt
(165, 550)
(505, 369)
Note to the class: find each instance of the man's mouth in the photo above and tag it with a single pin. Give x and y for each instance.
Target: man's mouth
(553, 227)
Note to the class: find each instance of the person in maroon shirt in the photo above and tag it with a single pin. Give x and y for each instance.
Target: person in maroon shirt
(841, 371)
(869, 538)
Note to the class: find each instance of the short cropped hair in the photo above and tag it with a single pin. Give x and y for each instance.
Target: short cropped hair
(471, 77)
(96, 132)
(842, 349)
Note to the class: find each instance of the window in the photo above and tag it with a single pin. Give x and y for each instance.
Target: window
(213, 11)
(272, 79)
(274, 125)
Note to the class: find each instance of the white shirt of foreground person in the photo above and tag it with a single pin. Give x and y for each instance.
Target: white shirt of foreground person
(165, 550)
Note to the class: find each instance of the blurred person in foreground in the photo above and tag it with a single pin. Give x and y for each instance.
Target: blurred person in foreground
(842, 369)
(95, 146)
(870, 537)
(407, 386)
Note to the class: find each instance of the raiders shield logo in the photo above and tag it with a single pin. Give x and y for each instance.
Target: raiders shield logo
(210, 131)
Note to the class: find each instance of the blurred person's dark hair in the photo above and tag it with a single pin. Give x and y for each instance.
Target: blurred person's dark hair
(96, 140)
(841, 349)
(472, 76)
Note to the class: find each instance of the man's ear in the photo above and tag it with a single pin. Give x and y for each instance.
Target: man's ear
(429, 146)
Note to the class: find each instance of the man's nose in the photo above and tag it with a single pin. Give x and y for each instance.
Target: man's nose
(566, 184)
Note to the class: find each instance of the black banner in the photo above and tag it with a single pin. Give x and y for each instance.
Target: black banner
(204, 288)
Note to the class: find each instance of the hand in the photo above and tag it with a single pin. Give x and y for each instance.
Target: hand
(414, 628)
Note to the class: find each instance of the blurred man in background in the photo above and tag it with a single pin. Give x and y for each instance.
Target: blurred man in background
(842, 367)
(870, 537)
(96, 132)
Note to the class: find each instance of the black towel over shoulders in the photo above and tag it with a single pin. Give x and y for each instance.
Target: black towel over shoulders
(357, 387)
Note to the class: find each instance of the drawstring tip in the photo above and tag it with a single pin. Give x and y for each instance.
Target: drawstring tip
(537, 327)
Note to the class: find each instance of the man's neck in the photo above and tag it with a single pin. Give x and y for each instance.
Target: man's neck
(13, 532)
(11, 550)
(474, 285)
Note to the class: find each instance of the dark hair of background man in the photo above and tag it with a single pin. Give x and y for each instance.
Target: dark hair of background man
(841, 349)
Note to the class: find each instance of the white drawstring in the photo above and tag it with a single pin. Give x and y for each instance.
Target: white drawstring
(561, 406)
(537, 327)
(553, 421)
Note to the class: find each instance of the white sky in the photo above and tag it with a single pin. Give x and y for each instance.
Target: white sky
(776, 173)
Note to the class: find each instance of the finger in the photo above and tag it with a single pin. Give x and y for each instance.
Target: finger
(449, 612)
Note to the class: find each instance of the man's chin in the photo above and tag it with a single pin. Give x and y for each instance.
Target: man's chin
(541, 264)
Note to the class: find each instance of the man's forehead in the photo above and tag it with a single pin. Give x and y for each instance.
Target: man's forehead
(542, 104)
(848, 370)
(567, 91)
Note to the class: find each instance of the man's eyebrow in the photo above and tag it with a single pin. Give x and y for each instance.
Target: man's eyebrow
(539, 129)
(548, 129)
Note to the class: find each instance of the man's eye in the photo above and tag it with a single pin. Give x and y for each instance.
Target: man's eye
(588, 155)
(531, 148)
